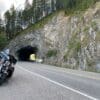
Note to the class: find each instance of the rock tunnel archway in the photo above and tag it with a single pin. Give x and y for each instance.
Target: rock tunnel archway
(24, 53)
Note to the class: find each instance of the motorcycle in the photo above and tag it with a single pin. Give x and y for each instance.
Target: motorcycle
(6, 70)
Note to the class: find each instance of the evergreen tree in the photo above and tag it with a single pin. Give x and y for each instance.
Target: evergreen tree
(52, 5)
(0, 24)
(43, 8)
(13, 20)
(33, 11)
(27, 5)
(7, 27)
(26, 13)
(10, 17)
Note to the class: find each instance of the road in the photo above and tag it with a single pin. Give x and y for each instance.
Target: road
(43, 82)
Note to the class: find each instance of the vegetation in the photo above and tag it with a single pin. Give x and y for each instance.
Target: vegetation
(94, 26)
(74, 47)
(71, 6)
(34, 15)
(51, 53)
(98, 36)
(17, 21)
(91, 65)
(38, 24)
(3, 41)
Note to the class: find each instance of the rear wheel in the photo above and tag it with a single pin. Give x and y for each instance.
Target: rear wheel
(10, 72)
(2, 78)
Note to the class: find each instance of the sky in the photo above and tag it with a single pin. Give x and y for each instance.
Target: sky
(6, 4)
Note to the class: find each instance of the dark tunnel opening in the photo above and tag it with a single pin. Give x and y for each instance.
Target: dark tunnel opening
(25, 52)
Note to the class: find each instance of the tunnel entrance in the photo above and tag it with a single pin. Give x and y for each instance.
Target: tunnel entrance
(24, 53)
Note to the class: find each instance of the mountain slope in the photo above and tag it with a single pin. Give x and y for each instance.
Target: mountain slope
(67, 41)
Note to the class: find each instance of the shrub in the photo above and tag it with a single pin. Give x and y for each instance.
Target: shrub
(51, 53)
(3, 41)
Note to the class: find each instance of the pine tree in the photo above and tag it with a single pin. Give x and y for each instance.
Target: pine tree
(33, 11)
(52, 5)
(10, 17)
(7, 27)
(0, 24)
(13, 20)
(26, 13)
(27, 5)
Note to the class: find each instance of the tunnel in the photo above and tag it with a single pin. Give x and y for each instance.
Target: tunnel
(24, 53)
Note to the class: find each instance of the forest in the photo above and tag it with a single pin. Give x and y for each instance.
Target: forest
(16, 20)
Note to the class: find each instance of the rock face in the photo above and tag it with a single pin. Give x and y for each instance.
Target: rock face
(67, 41)
(32, 39)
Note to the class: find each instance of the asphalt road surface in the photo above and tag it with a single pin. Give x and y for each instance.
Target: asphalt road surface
(43, 82)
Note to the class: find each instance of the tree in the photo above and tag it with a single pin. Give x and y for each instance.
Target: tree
(27, 5)
(36, 9)
(3, 41)
(10, 17)
(0, 24)
(18, 22)
(43, 8)
(52, 5)
(26, 14)
(13, 20)
(7, 19)
(60, 4)
(32, 10)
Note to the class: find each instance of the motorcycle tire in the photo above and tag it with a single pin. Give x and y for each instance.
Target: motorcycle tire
(10, 72)
(2, 78)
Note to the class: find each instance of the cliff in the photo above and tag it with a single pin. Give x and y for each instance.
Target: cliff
(67, 41)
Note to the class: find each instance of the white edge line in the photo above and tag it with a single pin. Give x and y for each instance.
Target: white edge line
(57, 83)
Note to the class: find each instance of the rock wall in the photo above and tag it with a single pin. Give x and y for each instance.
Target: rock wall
(33, 38)
(76, 39)
(67, 41)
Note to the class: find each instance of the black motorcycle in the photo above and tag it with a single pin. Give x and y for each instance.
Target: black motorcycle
(7, 69)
